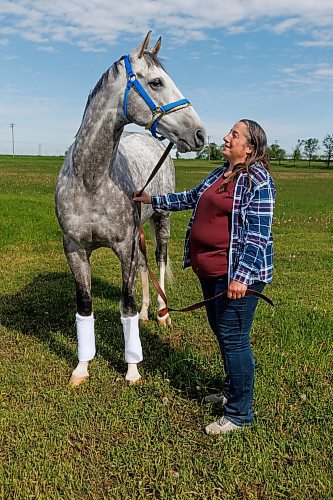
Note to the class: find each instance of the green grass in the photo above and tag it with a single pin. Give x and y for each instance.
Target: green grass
(107, 440)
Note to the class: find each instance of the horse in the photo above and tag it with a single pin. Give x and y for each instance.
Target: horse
(102, 169)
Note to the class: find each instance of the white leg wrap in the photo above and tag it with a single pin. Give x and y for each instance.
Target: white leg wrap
(133, 349)
(85, 337)
(81, 370)
(132, 375)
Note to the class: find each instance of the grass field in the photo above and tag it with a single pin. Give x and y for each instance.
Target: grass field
(108, 440)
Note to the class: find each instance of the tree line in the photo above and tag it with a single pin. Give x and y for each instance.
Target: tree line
(305, 148)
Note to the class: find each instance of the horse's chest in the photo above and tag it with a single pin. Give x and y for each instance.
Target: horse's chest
(100, 219)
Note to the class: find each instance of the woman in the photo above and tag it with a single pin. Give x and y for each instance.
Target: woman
(230, 247)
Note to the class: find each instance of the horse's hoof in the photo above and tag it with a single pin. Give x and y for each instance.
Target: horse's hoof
(134, 381)
(164, 321)
(76, 380)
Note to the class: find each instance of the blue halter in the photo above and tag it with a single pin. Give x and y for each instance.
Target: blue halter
(157, 111)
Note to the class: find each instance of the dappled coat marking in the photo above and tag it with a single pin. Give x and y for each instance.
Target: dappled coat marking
(102, 169)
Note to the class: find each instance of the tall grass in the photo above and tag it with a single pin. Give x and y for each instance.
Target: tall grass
(108, 440)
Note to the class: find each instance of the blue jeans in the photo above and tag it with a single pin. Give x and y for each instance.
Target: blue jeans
(231, 321)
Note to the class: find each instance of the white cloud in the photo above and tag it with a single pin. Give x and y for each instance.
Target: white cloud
(324, 72)
(285, 25)
(46, 48)
(316, 43)
(308, 77)
(101, 22)
(18, 106)
(10, 57)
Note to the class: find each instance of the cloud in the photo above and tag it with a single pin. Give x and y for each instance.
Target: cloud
(46, 48)
(18, 106)
(285, 25)
(316, 43)
(92, 25)
(10, 57)
(308, 77)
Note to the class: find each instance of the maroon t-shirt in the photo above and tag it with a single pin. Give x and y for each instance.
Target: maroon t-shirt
(210, 232)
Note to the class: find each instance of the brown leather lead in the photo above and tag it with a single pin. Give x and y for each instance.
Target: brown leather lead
(197, 305)
(157, 167)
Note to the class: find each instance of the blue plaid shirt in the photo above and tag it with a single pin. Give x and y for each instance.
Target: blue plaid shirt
(251, 246)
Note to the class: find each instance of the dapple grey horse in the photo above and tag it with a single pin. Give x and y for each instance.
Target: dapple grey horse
(102, 169)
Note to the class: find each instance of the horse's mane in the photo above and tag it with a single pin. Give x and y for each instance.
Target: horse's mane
(153, 60)
(96, 89)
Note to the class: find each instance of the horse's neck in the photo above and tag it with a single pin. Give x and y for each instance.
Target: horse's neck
(97, 141)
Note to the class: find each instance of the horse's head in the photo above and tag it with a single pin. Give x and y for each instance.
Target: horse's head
(153, 100)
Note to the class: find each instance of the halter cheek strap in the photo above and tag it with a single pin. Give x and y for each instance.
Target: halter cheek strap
(157, 111)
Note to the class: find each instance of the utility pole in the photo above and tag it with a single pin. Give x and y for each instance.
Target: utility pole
(208, 139)
(12, 127)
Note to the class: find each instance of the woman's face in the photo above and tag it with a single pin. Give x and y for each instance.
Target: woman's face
(236, 144)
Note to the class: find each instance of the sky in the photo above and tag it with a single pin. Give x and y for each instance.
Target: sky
(267, 60)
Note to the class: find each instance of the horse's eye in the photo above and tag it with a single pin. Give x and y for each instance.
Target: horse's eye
(156, 83)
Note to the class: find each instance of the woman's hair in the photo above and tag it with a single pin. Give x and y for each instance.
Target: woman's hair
(256, 138)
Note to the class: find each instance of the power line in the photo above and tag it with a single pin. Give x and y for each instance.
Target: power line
(12, 127)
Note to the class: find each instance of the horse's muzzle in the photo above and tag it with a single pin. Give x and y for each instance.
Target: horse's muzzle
(199, 138)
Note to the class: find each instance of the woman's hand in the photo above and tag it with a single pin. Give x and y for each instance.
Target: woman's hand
(144, 198)
(236, 290)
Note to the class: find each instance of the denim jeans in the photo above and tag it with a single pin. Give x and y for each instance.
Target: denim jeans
(231, 321)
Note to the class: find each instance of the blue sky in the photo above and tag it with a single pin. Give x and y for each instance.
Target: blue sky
(261, 59)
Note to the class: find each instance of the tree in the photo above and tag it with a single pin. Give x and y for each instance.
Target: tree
(210, 152)
(328, 149)
(310, 147)
(276, 153)
(297, 151)
(203, 154)
(215, 151)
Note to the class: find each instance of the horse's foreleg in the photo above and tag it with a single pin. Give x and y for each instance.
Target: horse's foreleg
(78, 261)
(129, 315)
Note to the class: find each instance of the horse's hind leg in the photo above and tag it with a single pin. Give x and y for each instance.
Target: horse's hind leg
(161, 224)
(78, 260)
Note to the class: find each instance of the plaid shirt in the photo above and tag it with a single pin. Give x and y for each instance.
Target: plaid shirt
(251, 245)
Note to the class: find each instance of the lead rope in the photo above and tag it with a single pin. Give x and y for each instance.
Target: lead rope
(143, 247)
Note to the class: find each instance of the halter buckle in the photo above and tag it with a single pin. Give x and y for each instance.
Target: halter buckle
(157, 115)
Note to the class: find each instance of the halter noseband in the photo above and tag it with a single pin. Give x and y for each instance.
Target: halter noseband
(157, 111)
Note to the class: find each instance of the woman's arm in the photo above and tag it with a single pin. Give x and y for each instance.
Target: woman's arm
(259, 218)
(172, 201)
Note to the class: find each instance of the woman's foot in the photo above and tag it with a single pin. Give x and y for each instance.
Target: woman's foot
(216, 398)
(222, 426)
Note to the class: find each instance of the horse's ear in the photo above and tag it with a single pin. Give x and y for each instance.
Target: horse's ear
(144, 46)
(155, 50)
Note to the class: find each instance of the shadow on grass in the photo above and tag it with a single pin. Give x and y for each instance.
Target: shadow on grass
(45, 309)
